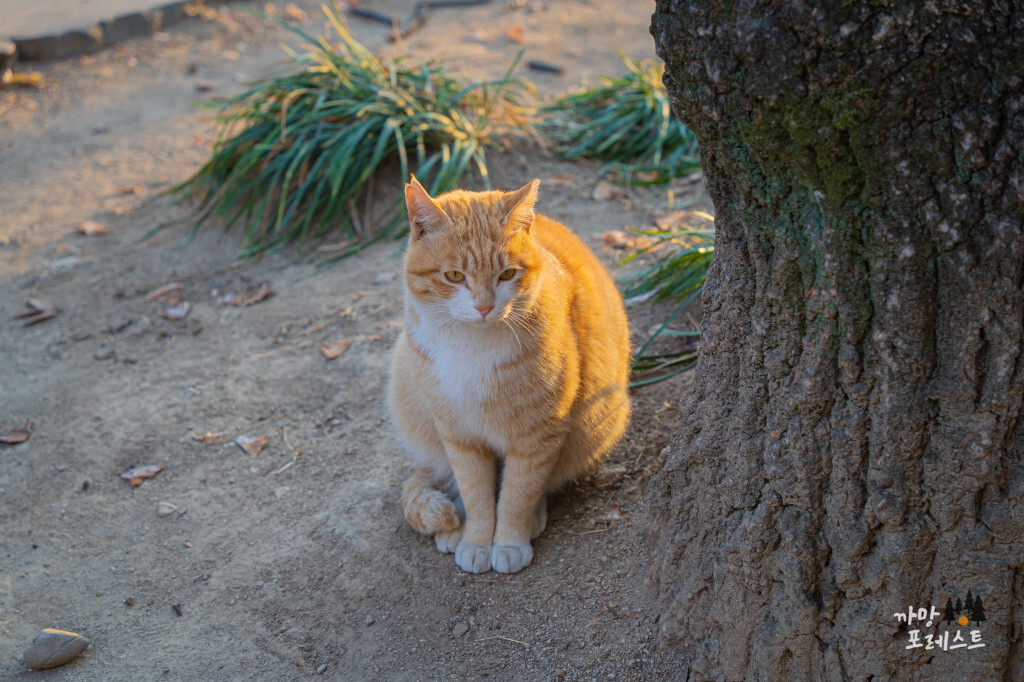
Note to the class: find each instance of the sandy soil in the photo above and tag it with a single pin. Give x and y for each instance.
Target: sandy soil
(297, 560)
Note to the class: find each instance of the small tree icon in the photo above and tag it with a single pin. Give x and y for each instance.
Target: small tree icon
(978, 614)
(959, 606)
(949, 614)
(969, 604)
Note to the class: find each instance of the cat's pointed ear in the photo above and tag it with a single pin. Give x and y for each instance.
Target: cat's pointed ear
(425, 215)
(520, 206)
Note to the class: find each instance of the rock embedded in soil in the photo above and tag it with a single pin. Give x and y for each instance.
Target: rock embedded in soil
(52, 648)
(460, 629)
(165, 509)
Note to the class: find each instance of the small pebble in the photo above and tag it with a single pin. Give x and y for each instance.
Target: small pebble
(165, 509)
(460, 629)
(104, 353)
(321, 668)
(370, 621)
(52, 648)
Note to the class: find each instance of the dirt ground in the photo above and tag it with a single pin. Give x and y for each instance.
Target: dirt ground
(295, 561)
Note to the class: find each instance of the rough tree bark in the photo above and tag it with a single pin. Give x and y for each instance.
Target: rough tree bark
(854, 441)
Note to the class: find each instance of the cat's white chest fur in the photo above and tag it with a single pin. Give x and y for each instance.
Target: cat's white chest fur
(465, 363)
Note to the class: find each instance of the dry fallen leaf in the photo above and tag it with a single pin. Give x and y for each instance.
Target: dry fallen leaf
(261, 294)
(516, 34)
(671, 220)
(332, 349)
(29, 79)
(178, 312)
(168, 293)
(18, 435)
(293, 12)
(92, 228)
(559, 179)
(137, 475)
(210, 438)
(617, 239)
(604, 190)
(252, 444)
(39, 310)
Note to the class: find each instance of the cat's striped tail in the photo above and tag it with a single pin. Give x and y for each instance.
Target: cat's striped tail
(427, 509)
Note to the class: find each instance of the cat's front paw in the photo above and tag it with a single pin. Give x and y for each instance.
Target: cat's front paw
(473, 558)
(511, 558)
(447, 541)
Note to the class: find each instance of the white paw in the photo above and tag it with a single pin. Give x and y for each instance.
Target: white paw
(511, 558)
(473, 558)
(448, 540)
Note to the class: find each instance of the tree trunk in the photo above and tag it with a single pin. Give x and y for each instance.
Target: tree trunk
(854, 441)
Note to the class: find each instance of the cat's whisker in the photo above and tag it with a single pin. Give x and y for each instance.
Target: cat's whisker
(513, 330)
(521, 320)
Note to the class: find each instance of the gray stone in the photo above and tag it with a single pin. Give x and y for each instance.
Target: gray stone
(165, 509)
(104, 353)
(88, 31)
(320, 670)
(52, 648)
(460, 629)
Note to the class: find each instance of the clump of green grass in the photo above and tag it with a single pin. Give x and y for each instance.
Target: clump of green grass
(681, 258)
(296, 151)
(627, 122)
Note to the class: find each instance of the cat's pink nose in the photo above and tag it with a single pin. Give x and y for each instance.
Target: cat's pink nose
(484, 309)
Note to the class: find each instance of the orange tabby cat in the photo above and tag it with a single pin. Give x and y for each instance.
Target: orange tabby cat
(515, 348)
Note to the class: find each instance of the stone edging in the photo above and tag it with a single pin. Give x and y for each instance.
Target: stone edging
(106, 32)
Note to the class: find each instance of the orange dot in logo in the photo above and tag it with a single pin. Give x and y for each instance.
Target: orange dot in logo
(962, 620)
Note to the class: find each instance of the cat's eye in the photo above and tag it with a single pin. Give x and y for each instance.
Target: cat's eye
(507, 274)
(454, 276)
